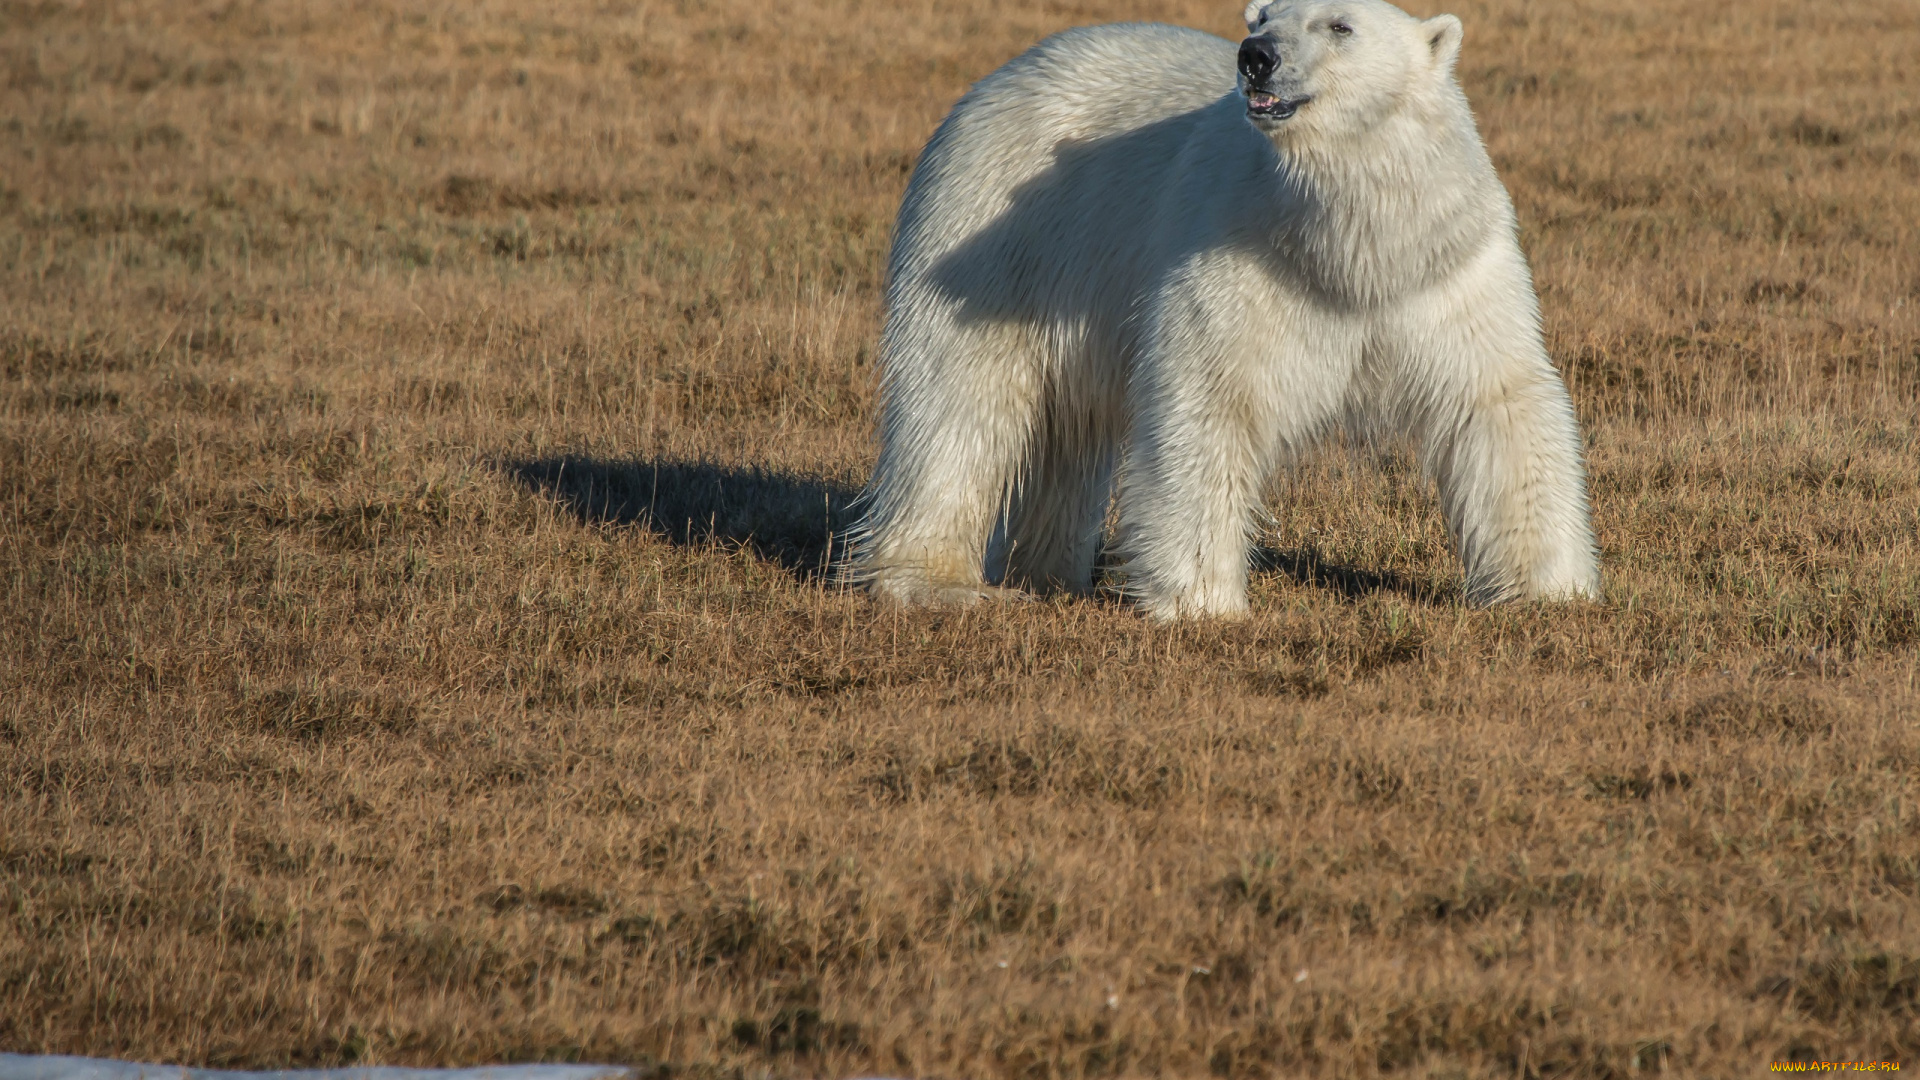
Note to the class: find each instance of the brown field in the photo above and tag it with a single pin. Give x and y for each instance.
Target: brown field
(421, 428)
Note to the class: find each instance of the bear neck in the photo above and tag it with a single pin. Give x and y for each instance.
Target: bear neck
(1371, 217)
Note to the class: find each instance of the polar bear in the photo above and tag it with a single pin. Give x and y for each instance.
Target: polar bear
(1123, 273)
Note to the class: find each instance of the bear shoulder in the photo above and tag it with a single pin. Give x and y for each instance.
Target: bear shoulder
(1112, 76)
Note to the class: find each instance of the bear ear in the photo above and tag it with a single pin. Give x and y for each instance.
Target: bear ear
(1443, 40)
(1253, 13)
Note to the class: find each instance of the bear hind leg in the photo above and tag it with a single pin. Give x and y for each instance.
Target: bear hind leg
(1049, 540)
(955, 426)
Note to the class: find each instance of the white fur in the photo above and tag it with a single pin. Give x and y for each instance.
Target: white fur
(1104, 267)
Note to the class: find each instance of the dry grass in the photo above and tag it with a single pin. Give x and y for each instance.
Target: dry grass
(421, 427)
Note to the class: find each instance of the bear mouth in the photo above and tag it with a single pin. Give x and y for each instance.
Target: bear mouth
(1271, 106)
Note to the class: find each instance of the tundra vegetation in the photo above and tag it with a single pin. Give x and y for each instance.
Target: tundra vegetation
(422, 428)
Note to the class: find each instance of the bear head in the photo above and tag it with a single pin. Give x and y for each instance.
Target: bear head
(1340, 66)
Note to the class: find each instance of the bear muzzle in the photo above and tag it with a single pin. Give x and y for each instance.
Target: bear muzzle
(1259, 59)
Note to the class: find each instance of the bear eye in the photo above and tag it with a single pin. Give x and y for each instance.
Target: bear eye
(1340, 27)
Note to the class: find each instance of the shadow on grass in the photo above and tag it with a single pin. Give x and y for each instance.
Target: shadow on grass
(800, 522)
(796, 521)
(1305, 566)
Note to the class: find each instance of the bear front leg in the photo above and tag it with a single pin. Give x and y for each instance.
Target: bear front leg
(1500, 438)
(1202, 404)
(1187, 501)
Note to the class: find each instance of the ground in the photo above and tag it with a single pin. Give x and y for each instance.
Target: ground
(421, 428)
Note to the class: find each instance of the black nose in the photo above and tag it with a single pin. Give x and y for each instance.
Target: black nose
(1258, 57)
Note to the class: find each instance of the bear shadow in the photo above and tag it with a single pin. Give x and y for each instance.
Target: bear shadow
(995, 277)
(1306, 567)
(798, 522)
(801, 523)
